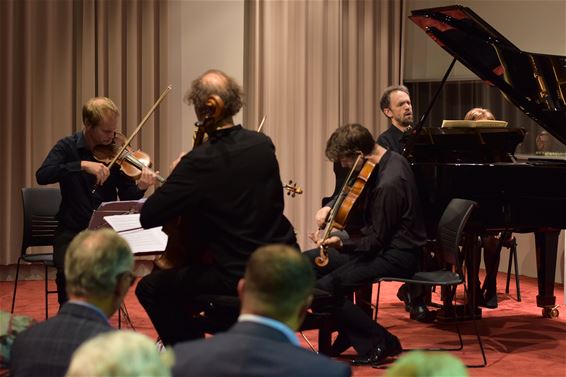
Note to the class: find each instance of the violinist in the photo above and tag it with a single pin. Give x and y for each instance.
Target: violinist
(71, 163)
(228, 195)
(390, 244)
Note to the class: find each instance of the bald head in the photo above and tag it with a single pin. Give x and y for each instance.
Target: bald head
(215, 82)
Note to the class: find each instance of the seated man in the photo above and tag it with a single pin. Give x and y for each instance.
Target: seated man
(275, 293)
(98, 270)
(390, 245)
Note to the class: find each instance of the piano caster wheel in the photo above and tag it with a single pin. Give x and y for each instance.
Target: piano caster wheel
(550, 312)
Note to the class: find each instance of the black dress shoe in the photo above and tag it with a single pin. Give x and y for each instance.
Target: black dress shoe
(377, 355)
(403, 295)
(422, 314)
(490, 300)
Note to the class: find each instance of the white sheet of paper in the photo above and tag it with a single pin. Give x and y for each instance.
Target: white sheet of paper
(140, 240)
(122, 223)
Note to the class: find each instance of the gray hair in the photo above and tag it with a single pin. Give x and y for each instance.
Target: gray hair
(120, 354)
(94, 261)
(385, 101)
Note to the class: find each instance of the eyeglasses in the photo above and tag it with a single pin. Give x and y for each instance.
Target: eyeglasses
(130, 276)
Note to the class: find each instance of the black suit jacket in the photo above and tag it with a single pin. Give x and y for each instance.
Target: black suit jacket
(252, 349)
(46, 348)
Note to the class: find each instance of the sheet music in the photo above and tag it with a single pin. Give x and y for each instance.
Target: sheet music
(121, 223)
(140, 240)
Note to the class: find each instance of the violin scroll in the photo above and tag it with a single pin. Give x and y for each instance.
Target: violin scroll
(322, 259)
(292, 189)
(212, 113)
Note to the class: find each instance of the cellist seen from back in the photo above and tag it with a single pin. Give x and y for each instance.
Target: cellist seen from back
(229, 196)
(390, 243)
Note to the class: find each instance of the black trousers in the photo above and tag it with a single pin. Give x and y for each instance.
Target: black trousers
(167, 297)
(63, 238)
(347, 272)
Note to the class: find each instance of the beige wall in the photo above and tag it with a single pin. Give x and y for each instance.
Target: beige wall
(203, 35)
(533, 26)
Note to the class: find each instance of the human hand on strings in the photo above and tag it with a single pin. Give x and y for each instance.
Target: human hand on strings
(99, 170)
(147, 178)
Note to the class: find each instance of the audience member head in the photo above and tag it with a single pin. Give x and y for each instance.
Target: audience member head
(120, 354)
(395, 103)
(98, 269)
(477, 113)
(215, 82)
(427, 364)
(278, 284)
(347, 142)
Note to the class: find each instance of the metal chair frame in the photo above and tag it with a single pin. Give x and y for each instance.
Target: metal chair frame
(40, 207)
(450, 234)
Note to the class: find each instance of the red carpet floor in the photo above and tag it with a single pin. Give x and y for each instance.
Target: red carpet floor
(517, 340)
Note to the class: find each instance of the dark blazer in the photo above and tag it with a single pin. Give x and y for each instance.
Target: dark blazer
(46, 348)
(252, 349)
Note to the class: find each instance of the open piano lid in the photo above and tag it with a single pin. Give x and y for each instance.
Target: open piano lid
(535, 83)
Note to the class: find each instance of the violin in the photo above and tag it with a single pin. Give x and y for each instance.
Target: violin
(349, 194)
(117, 151)
(131, 162)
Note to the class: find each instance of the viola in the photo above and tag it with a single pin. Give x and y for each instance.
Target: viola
(131, 162)
(351, 191)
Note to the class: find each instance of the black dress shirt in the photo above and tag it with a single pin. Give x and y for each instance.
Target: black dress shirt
(63, 165)
(392, 139)
(230, 192)
(392, 211)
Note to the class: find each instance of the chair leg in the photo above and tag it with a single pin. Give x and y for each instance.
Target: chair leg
(377, 301)
(514, 253)
(509, 270)
(46, 293)
(15, 285)
(308, 342)
(477, 335)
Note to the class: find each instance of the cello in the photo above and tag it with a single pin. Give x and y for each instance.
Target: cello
(175, 254)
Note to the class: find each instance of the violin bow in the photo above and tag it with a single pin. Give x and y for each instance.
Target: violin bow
(261, 123)
(129, 140)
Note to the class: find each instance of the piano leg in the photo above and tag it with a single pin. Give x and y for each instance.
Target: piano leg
(546, 249)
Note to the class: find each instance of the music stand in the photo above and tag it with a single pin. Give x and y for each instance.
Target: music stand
(123, 207)
(97, 221)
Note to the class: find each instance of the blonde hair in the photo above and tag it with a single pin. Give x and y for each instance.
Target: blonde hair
(120, 354)
(477, 113)
(97, 109)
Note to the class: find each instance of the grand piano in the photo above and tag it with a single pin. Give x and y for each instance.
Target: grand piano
(479, 164)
